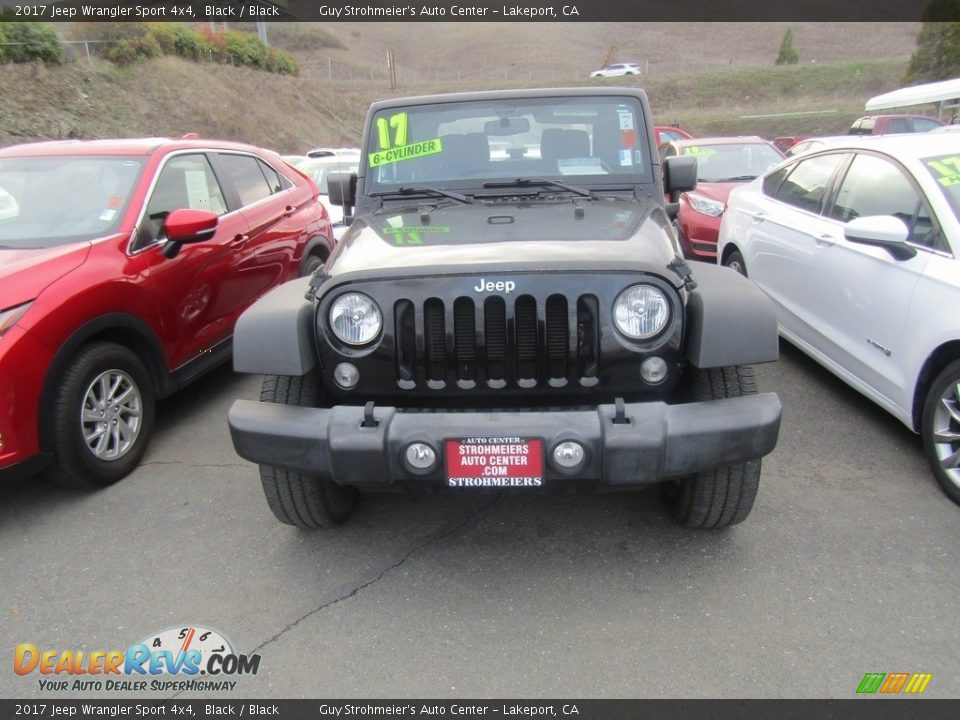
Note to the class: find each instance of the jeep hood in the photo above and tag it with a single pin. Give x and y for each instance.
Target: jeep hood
(438, 233)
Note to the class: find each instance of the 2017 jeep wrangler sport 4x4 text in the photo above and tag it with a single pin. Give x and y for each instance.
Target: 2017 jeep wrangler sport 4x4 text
(509, 309)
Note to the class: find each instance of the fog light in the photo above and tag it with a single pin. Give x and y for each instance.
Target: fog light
(420, 457)
(654, 370)
(568, 455)
(346, 376)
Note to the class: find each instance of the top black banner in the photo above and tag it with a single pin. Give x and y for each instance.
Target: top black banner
(232, 11)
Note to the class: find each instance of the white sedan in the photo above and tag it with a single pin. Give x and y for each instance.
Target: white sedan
(857, 244)
(617, 70)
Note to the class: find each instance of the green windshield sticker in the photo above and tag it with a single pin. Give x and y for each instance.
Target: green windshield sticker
(405, 152)
(411, 235)
(399, 122)
(948, 169)
(697, 150)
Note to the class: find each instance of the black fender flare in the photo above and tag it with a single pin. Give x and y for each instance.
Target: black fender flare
(274, 336)
(730, 321)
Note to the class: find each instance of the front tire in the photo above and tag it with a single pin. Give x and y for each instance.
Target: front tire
(722, 497)
(941, 429)
(102, 417)
(299, 499)
(734, 261)
(311, 265)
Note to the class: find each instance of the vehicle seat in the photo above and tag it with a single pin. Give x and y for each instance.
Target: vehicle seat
(558, 144)
(465, 155)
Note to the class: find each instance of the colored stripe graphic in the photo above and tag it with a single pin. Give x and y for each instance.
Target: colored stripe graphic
(918, 683)
(894, 682)
(871, 682)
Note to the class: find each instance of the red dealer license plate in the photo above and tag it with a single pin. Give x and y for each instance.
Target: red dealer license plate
(494, 462)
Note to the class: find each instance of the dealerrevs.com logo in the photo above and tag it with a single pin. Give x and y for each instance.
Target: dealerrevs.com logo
(176, 659)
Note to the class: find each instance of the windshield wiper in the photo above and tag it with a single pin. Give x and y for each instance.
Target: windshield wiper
(425, 190)
(526, 182)
(737, 178)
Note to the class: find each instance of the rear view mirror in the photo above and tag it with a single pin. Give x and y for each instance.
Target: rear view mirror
(188, 226)
(885, 231)
(679, 175)
(507, 126)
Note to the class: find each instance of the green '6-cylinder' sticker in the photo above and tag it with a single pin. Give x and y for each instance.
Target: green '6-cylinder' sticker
(405, 152)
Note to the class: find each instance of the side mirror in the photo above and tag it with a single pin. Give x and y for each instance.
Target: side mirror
(679, 175)
(187, 226)
(885, 231)
(342, 191)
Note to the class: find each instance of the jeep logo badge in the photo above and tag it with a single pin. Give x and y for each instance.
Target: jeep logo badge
(489, 286)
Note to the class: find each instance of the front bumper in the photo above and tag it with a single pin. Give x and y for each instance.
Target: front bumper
(657, 441)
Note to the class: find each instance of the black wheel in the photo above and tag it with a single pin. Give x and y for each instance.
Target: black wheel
(102, 417)
(941, 429)
(723, 497)
(735, 261)
(305, 501)
(311, 265)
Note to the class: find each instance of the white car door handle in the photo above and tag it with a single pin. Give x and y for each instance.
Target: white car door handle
(758, 216)
(825, 240)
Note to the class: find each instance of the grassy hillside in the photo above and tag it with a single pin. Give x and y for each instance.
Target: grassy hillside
(703, 76)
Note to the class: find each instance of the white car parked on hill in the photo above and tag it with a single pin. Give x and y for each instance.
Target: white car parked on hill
(857, 244)
(617, 70)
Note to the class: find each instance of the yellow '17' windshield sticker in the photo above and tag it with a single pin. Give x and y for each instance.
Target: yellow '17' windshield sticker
(697, 150)
(405, 152)
(948, 169)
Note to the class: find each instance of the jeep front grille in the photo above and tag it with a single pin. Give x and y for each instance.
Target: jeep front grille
(498, 341)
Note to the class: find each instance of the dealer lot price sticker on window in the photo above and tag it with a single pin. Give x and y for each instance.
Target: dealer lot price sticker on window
(494, 462)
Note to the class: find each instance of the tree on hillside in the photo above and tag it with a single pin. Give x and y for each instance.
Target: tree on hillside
(938, 44)
(787, 56)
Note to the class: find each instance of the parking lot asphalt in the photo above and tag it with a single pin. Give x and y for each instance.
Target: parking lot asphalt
(847, 565)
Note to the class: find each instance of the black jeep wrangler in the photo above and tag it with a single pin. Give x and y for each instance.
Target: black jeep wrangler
(509, 309)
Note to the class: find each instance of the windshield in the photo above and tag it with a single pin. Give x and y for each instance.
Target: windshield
(584, 140)
(732, 162)
(48, 201)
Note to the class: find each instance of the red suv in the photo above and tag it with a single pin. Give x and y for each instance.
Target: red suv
(123, 267)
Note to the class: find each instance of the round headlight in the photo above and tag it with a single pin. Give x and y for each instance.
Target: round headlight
(355, 319)
(641, 311)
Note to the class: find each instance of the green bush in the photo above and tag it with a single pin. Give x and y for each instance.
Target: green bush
(282, 63)
(38, 42)
(131, 42)
(125, 52)
(788, 55)
(165, 36)
(244, 49)
(3, 39)
(187, 43)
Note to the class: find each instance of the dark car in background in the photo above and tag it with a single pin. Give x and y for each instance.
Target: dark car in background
(722, 164)
(124, 265)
